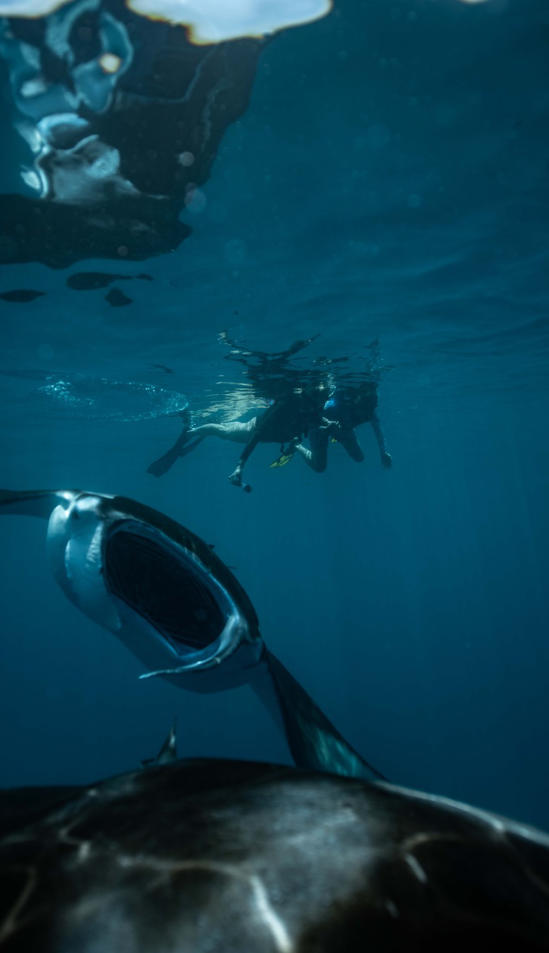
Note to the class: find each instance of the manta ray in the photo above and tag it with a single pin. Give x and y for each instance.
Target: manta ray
(213, 856)
(171, 600)
(200, 856)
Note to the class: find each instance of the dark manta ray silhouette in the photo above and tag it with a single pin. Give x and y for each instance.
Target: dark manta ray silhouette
(233, 857)
(177, 606)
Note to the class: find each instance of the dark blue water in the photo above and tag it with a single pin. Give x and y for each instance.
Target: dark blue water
(389, 179)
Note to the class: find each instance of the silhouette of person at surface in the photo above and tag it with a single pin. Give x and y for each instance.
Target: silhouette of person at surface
(297, 409)
(345, 410)
(295, 400)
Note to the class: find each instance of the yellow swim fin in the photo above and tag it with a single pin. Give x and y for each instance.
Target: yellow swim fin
(281, 461)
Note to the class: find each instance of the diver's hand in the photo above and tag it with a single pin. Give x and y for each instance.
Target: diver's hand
(236, 480)
(386, 460)
(236, 477)
(332, 427)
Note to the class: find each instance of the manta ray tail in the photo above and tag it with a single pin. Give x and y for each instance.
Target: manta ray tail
(313, 741)
(32, 502)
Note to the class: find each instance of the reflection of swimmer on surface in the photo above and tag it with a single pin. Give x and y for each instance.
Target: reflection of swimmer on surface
(128, 113)
(345, 410)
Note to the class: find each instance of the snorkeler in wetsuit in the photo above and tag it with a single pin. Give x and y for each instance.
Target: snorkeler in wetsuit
(345, 410)
(296, 399)
(285, 421)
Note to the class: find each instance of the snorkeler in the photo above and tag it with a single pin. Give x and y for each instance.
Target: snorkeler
(345, 410)
(295, 400)
(297, 409)
(286, 421)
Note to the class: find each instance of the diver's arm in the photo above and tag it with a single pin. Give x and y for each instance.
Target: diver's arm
(249, 448)
(236, 476)
(257, 428)
(386, 458)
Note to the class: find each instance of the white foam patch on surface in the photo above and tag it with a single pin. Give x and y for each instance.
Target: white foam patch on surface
(209, 21)
(104, 399)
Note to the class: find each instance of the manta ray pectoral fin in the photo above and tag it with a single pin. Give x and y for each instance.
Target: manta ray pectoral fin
(33, 502)
(313, 741)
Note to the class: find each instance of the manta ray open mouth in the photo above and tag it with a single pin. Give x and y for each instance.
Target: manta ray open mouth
(161, 587)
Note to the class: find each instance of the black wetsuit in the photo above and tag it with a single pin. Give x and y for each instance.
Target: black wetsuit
(341, 414)
(289, 418)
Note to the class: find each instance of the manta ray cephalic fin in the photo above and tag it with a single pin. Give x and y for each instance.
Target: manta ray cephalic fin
(33, 502)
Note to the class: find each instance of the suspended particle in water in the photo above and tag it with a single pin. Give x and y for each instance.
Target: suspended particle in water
(414, 200)
(378, 136)
(45, 352)
(235, 251)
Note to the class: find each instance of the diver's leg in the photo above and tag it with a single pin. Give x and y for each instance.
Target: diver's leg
(347, 439)
(386, 458)
(317, 457)
(235, 430)
(190, 438)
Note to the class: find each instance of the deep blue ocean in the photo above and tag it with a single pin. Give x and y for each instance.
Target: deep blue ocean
(389, 179)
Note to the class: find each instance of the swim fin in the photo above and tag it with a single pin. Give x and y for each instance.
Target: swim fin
(283, 459)
(181, 448)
